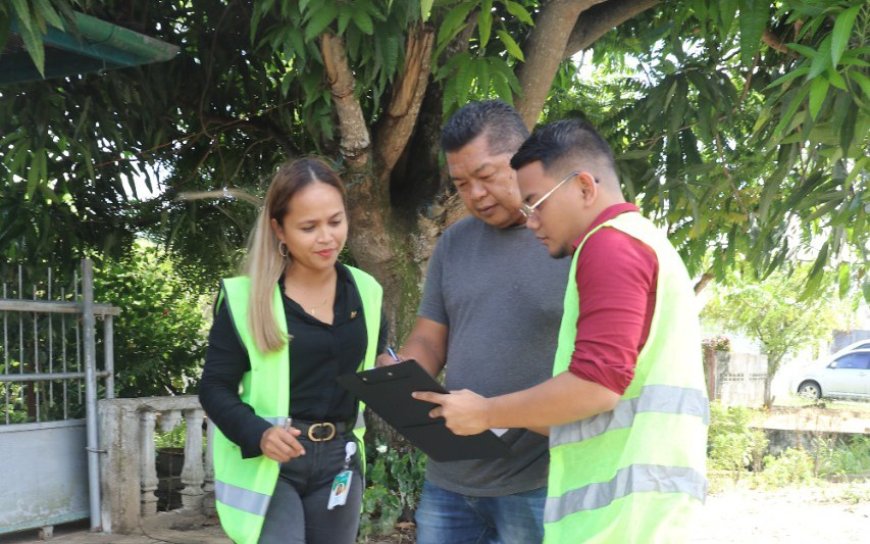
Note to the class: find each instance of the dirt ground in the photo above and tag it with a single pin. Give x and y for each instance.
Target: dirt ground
(832, 513)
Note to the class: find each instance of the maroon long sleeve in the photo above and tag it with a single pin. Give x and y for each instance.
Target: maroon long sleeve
(616, 279)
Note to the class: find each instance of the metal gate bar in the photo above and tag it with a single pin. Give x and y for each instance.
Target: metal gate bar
(31, 396)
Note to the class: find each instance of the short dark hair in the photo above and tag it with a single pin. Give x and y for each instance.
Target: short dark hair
(569, 138)
(504, 128)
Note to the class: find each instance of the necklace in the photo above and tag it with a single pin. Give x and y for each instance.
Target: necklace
(313, 309)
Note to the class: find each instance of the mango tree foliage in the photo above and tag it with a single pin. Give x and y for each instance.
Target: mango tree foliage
(722, 139)
(741, 126)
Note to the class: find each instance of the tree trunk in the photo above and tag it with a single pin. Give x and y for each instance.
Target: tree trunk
(543, 54)
(773, 362)
(711, 371)
(768, 398)
(601, 19)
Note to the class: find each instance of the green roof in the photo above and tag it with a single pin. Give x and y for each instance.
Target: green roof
(94, 45)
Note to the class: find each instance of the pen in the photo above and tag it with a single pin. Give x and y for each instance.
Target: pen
(393, 354)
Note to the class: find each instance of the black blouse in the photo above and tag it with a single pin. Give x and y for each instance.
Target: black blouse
(320, 352)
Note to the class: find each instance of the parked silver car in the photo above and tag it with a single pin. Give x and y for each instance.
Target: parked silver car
(845, 374)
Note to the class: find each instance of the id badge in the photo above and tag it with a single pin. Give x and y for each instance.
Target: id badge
(340, 489)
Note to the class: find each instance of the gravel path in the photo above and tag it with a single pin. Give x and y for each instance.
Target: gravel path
(833, 514)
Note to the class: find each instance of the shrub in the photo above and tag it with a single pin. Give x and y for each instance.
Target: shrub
(394, 483)
(793, 466)
(160, 336)
(849, 457)
(731, 444)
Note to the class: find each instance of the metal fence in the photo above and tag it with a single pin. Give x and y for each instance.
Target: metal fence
(49, 386)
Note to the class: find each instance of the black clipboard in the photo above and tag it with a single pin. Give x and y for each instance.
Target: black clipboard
(387, 391)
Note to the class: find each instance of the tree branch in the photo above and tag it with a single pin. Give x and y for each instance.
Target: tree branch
(355, 141)
(254, 126)
(705, 278)
(401, 115)
(543, 52)
(774, 41)
(600, 19)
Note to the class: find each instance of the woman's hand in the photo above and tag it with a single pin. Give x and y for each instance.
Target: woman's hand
(280, 444)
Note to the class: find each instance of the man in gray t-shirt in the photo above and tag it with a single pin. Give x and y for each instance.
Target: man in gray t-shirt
(490, 314)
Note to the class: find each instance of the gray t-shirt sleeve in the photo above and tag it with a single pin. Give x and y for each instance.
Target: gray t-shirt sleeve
(432, 304)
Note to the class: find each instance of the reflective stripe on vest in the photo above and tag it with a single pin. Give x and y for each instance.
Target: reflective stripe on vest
(635, 474)
(242, 499)
(631, 479)
(243, 487)
(665, 399)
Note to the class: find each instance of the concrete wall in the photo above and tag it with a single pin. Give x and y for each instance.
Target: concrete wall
(740, 378)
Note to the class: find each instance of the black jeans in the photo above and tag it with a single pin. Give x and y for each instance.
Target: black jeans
(297, 512)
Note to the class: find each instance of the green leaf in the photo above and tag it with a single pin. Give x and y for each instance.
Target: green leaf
(517, 10)
(836, 79)
(23, 13)
(808, 52)
(814, 278)
(866, 288)
(862, 80)
(36, 174)
(462, 81)
(727, 10)
(46, 10)
(500, 65)
(484, 22)
(843, 279)
(789, 76)
(796, 101)
(511, 46)
(35, 47)
(754, 17)
(363, 21)
(425, 9)
(842, 31)
(483, 78)
(818, 92)
(5, 28)
(501, 87)
(453, 22)
(344, 16)
(847, 127)
(319, 21)
(822, 60)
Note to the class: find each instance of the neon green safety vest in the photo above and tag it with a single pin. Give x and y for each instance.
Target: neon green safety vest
(636, 473)
(243, 487)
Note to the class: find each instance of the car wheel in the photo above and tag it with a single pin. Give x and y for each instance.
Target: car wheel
(810, 390)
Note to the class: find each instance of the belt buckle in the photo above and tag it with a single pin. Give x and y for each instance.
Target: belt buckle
(328, 425)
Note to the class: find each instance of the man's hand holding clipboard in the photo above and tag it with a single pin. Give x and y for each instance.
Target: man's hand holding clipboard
(388, 391)
(464, 411)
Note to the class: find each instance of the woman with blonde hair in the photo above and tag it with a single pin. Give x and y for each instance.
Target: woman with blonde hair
(287, 447)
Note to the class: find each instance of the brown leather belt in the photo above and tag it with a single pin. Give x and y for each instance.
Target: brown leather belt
(320, 431)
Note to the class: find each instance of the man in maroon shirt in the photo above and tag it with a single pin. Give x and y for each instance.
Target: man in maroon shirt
(616, 279)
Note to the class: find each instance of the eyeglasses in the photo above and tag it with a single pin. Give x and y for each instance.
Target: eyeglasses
(528, 211)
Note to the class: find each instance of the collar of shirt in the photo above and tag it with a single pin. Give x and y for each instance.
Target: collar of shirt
(609, 213)
(348, 303)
